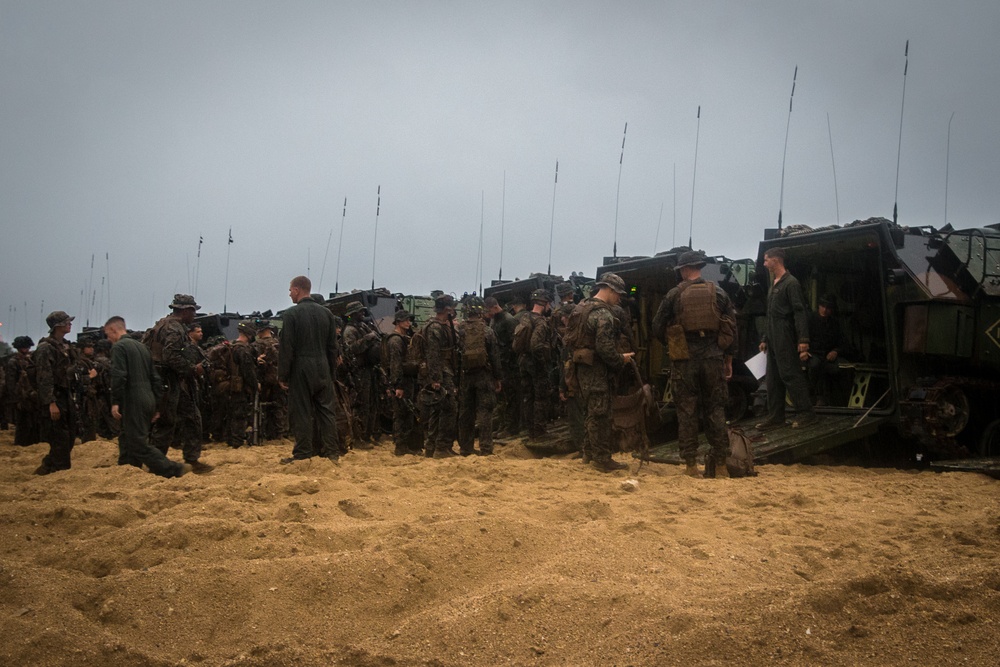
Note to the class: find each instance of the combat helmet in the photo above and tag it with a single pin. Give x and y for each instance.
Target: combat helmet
(541, 296)
(474, 307)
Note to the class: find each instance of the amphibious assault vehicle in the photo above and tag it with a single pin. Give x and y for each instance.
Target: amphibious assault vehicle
(920, 309)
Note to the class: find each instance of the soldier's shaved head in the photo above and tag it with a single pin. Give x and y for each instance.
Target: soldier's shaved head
(303, 283)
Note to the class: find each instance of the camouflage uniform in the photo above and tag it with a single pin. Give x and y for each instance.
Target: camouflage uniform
(273, 399)
(405, 431)
(190, 427)
(167, 342)
(535, 366)
(22, 397)
(107, 426)
(361, 345)
(596, 379)
(438, 405)
(87, 394)
(699, 382)
(242, 386)
(503, 325)
(478, 386)
(55, 381)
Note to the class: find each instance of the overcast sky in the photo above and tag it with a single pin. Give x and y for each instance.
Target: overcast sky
(132, 128)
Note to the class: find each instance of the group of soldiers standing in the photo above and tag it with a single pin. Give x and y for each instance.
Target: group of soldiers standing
(443, 382)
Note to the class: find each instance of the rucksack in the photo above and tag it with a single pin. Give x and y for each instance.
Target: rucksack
(739, 463)
(522, 334)
(416, 351)
(474, 354)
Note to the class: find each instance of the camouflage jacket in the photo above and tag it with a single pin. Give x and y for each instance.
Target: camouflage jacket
(439, 352)
(53, 369)
(167, 343)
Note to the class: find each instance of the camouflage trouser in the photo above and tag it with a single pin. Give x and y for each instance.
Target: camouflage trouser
(437, 412)
(188, 433)
(366, 406)
(405, 431)
(274, 402)
(700, 389)
(576, 418)
(240, 414)
(536, 396)
(595, 399)
(476, 400)
(60, 434)
(172, 410)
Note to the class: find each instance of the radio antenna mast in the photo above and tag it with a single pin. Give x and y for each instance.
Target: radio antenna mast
(621, 159)
(784, 156)
(697, 136)
(899, 147)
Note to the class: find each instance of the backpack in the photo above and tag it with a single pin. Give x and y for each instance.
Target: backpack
(521, 343)
(739, 463)
(409, 368)
(474, 354)
(416, 352)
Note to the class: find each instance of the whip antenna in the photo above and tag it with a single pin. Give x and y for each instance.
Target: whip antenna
(225, 294)
(197, 266)
(899, 147)
(378, 207)
(479, 256)
(503, 207)
(836, 196)
(656, 239)
(552, 222)
(947, 162)
(673, 239)
(621, 159)
(322, 271)
(336, 282)
(697, 136)
(90, 285)
(784, 156)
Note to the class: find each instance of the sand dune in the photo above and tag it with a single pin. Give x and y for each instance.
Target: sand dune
(510, 559)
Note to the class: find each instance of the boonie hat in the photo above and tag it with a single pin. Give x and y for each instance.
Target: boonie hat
(58, 318)
(183, 302)
(612, 281)
(692, 258)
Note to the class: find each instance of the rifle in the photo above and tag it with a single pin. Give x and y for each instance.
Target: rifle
(255, 435)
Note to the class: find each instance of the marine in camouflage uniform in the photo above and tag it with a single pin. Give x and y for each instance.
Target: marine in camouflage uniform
(86, 374)
(167, 342)
(437, 380)
(699, 381)
(362, 346)
(569, 394)
(107, 426)
(242, 386)
(596, 362)
(135, 391)
(22, 393)
(480, 380)
(535, 365)
(189, 431)
(54, 374)
(273, 399)
(403, 387)
(503, 325)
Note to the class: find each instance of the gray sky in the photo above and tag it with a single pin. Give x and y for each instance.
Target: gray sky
(133, 128)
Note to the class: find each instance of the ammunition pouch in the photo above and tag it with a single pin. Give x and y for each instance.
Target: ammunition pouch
(677, 345)
(583, 356)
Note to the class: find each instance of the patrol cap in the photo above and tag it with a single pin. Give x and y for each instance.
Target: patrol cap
(354, 307)
(58, 318)
(693, 258)
(613, 282)
(541, 296)
(318, 298)
(23, 342)
(401, 316)
(564, 289)
(444, 301)
(183, 302)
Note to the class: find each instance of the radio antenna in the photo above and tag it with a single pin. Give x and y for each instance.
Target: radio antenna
(697, 136)
(552, 222)
(836, 196)
(899, 147)
(784, 156)
(503, 207)
(621, 159)
(378, 207)
(947, 164)
(340, 245)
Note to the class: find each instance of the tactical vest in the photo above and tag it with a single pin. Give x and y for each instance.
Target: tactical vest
(579, 336)
(474, 355)
(153, 342)
(698, 309)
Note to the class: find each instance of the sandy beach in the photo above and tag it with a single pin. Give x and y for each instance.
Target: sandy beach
(378, 560)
